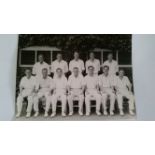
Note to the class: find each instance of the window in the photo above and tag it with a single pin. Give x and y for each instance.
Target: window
(27, 57)
(124, 58)
(46, 54)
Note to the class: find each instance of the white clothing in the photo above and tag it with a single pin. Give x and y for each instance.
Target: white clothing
(28, 86)
(113, 67)
(79, 64)
(38, 67)
(91, 83)
(56, 64)
(123, 91)
(95, 64)
(44, 87)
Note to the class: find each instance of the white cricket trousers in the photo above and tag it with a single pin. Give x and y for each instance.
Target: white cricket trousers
(105, 95)
(130, 98)
(93, 95)
(26, 93)
(54, 99)
(38, 97)
(79, 98)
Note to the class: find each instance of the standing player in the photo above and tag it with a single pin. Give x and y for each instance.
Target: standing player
(123, 89)
(76, 62)
(60, 92)
(38, 67)
(76, 90)
(59, 63)
(112, 64)
(92, 91)
(106, 84)
(27, 89)
(45, 86)
(93, 62)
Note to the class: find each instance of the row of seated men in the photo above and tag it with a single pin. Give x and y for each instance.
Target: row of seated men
(91, 87)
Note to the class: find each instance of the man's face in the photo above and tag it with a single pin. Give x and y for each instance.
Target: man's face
(92, 56)
(28, 73)
(76, 55)
(75, 71)
(106, 70)
(91, 70)
(59, 72)
(110, 57)
(45, 73)
(59, 57)
(40, 58)
(121, 73)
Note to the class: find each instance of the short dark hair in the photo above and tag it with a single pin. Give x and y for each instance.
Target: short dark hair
(75, 68)
(28, 69)
(41, 55)
(58, 69)
(59, 53)
(76, 52)
(110, 53)
(106, 67)
(121, 69)
(91, 53)
(90, 67)
(44, 69)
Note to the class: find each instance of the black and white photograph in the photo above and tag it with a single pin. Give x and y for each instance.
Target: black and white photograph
(75, 77)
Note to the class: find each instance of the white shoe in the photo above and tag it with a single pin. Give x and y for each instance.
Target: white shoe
(36, 114)
(98, 113)
(105, 113)
(71, 113)
(18, 114)
(88, 113)
(80, 113)
(121, 113)
(63, 114)
(53, 114)
(111, 113)
(46, 114)
(28, 114)
(131, 112)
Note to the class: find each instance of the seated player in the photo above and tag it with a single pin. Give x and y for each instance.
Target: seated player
(123, 89)
(45, 84)
(107, 90)
(27, 88)
(76, 90)
(92, 91)
(60, 92)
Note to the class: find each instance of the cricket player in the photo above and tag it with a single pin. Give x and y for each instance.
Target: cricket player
(45, 86)
(112, 64)
(76, 88)
(92, 91)
(106, 84)
(27, 89)
(93, 62)
(59, 63)
(123, 89)
(60, 92)
(38, 67)
(76, 62)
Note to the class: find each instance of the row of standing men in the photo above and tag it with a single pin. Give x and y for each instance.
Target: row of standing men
(91, 87)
